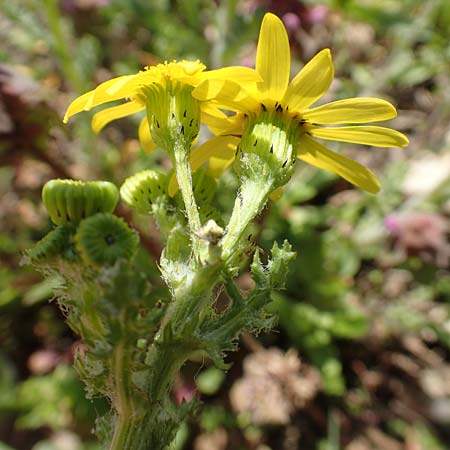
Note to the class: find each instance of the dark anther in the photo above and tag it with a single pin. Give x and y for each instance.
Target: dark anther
(142, 191)
(149, 201)
(68, 217)
(256, 143)
(279, 108)
(284, 164)
(159, 187)
(263, 106)
(149, 190)
(294, 161)
(173, 116)
(302, 121)
(249, 237)
(287, 107)
(184, 114)
(182, 130)
(157, 123)
(190, 122)
(271, 149)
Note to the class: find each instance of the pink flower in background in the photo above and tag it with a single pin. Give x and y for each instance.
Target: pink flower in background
(421, 234)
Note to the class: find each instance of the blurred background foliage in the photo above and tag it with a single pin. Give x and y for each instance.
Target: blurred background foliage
(360, 358)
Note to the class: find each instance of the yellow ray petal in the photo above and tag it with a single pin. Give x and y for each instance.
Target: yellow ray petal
(109, 91)
(77, 105)
(239, 74)
(317, 155)
(221, 124)
(351, 110)
(105, 92)
(222, 160)
(102, 118)
(226, 94)
(220, 147)
(145, 136)
(311, 83)
(367, 135)
(217, 166)
(217, 146)
(273, 58)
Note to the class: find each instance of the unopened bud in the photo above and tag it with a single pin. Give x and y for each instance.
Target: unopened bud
(145, 189)
(71, 201)
(104, 238)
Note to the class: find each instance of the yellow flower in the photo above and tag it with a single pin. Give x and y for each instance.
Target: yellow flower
(292, 101)
(131, 88)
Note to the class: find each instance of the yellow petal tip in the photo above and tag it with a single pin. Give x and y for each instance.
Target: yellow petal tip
(405, 141)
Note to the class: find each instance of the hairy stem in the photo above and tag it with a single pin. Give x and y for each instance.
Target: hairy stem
(184, 178)
(250, 200)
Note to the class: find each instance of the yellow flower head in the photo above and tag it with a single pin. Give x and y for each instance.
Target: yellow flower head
(292, 101)
(131, 88)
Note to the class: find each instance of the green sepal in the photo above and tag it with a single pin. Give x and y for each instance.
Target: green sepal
(268, 149)
(172, 112)
(71, 200)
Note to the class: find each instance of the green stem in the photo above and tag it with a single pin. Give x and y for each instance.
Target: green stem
(129, 419)
(191, 297)
(250, 201)
(184, 178)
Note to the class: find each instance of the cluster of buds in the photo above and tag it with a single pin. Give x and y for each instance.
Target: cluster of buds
(85, 229)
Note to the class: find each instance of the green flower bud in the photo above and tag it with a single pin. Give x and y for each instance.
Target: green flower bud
(208, 212)
(172, 112)
(104, 238)
(71, 201)
(203, 186)
(57, 243)
(144, 189)
(268, 149)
